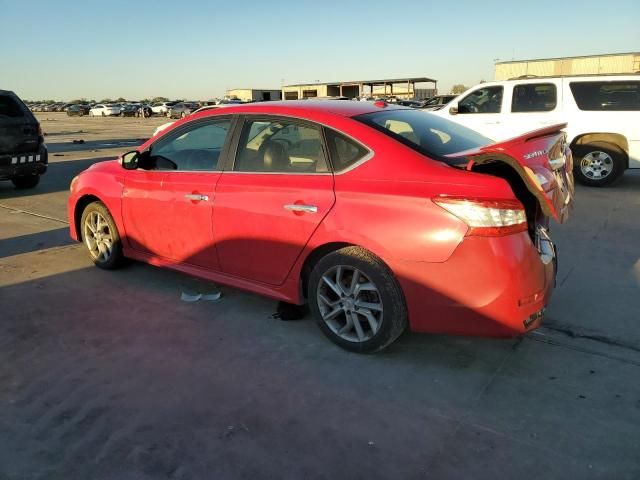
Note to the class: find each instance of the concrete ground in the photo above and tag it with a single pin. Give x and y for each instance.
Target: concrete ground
(109, 375)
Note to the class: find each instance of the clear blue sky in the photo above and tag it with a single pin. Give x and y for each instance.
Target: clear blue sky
(67, 49)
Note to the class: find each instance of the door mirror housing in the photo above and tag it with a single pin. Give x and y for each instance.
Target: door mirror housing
(129, 160)
(453, 109)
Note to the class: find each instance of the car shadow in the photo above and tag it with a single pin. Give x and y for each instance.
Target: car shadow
(34, 242)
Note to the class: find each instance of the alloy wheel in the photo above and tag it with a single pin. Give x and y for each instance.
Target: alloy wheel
(98, 237)
(350, 303)
(596, 165)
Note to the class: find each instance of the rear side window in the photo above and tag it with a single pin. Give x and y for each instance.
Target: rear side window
(10, 107)
(534, 97)
(607, 96)
(344, 151)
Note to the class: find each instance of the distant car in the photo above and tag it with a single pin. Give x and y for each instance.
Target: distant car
(78, 110)
(23, 154)
(129, 110)
(161, 108)
(201, 109)
(437, 102)
(410, 103)
(103, 110)
(182, 109)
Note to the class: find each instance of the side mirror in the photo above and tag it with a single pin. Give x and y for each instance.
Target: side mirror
(129, 160)
(453, 109)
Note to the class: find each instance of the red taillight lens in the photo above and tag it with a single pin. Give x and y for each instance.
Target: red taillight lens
(488, 218)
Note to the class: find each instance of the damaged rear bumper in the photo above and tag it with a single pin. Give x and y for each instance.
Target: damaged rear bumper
(489, 287)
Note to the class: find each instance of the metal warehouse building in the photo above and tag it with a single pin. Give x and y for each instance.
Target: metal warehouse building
(254, 94)
(398, 87)
(586, 65)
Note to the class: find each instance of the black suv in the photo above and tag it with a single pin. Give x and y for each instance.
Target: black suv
(23, 154)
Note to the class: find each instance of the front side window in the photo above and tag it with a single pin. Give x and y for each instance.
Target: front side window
(483, 100)
(280, 146)
(196, 149)
(426, 133)
(607, 96)
(534, 97)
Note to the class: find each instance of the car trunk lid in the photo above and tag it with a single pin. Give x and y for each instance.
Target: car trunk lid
(541, 159)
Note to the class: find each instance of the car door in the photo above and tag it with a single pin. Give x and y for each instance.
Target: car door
(167, 202)
(274, 194)
(481, 110)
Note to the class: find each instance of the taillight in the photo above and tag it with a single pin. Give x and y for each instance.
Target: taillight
(488, 218)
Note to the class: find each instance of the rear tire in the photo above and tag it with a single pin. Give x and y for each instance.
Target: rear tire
(100, 236)
(26, 182)
(365, 316)
(599, 164)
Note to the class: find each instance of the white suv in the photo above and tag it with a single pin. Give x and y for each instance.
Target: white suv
(602, 113)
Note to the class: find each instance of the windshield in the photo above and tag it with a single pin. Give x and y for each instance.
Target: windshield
(424, 132)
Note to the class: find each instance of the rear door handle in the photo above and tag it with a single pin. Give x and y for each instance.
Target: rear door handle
(301, 208)
(196, 197)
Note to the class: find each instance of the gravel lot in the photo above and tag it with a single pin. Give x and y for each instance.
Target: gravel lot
(109, 375)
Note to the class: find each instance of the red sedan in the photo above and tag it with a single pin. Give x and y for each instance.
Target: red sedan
(379, 217)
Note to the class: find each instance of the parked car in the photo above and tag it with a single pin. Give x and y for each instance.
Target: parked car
(104, 110)
(78, 110)
(602, 112)
(164, 126)
(129, 110)
(161, 108)
(23, 154)
(379, 216)
(409, 103)
(437, 102)
(182, 109)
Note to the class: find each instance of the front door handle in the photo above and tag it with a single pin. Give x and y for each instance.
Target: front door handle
(196, 197)
(301, 208)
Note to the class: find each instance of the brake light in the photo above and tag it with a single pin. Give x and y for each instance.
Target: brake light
(487, 218)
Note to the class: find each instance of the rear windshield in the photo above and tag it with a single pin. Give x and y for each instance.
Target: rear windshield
(424, 132)
(9, 107)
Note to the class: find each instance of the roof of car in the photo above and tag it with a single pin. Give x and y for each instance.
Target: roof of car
(344, 108)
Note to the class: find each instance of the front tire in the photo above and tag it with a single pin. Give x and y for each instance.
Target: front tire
(100, 236)
(356, 300)
(26, 182)
(599, 164)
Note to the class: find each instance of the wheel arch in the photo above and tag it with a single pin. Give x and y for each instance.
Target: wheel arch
(314, 257)
(81, 204)
(615, 139)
